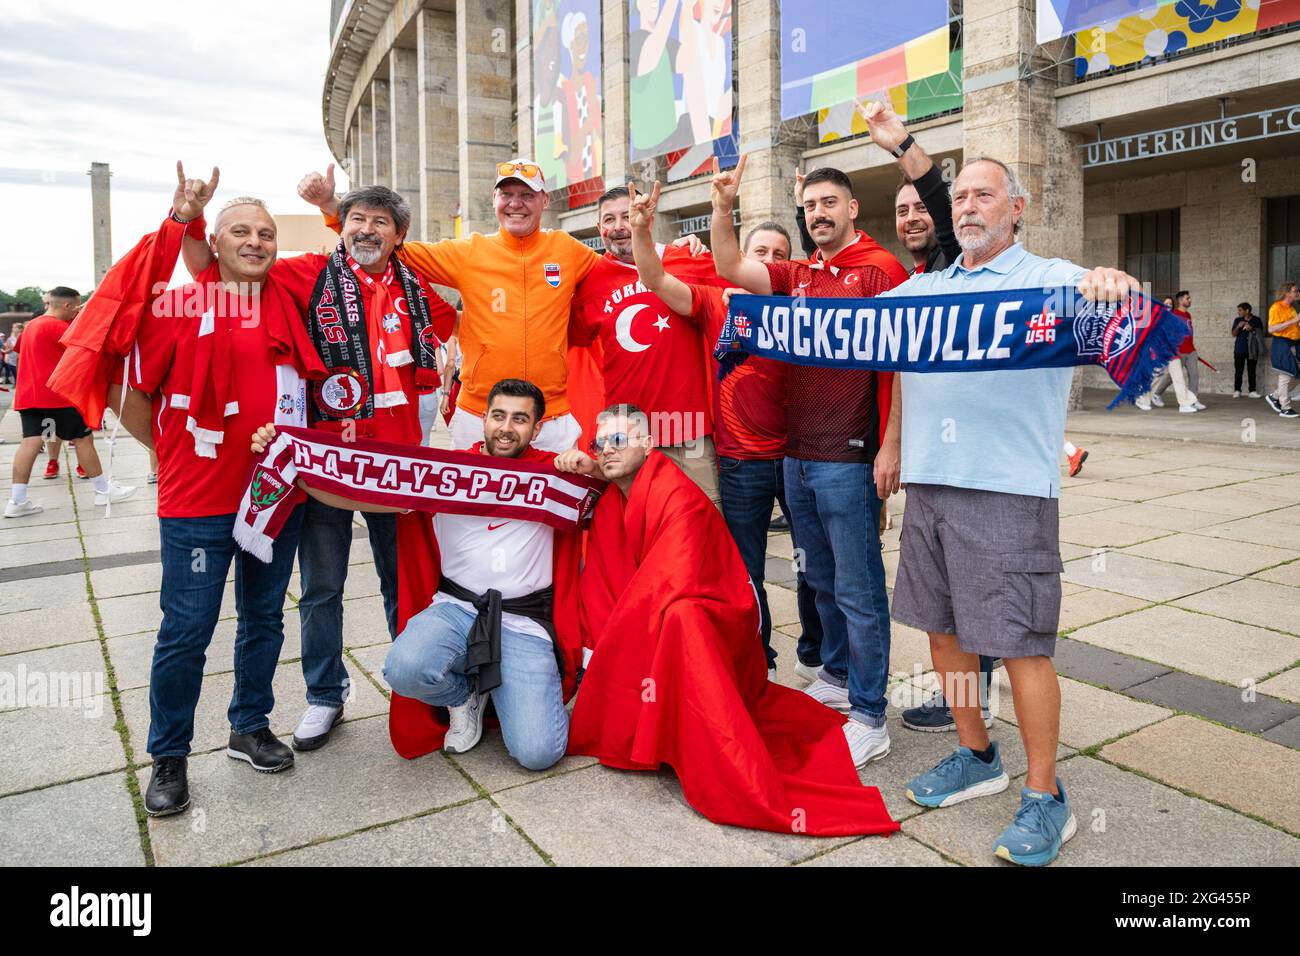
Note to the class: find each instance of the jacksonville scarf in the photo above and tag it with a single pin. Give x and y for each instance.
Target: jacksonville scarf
(403, 476)
(963, 332)
(343, 335)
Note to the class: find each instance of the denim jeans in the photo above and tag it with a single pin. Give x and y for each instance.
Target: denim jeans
(196, 556)
(835, 516)
(748, 489)
(427, 662)
(323, 560)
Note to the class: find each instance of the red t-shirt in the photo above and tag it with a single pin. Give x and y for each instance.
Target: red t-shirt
(400, 423)
(653, 358)
(39, 351)
(749, 404)
(1187, 345)
(832, 413)
(190, 486)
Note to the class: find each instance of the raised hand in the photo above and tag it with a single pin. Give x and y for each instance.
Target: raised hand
(193, 194)
(725, 185)
(317, 189)
(887, 130)
(798, 188)
(641, 212)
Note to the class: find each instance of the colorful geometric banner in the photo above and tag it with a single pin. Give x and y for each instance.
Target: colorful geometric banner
(567, 133)
(911, 101)
(1056, 18)
(1174, 26)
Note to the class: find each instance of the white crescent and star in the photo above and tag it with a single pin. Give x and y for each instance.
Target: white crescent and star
(623, 328)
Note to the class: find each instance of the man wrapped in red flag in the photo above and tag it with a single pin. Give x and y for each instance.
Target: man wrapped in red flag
(677, 674)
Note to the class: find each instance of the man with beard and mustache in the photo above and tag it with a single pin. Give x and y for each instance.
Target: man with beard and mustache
(652, 356)
(478, 554)
(980, 563)
(840, 464)
(371, 390)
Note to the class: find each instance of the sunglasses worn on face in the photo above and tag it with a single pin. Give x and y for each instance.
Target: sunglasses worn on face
(617, 441)
(527, 170)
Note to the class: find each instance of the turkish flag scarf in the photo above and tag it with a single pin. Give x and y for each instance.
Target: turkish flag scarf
(677, 674)
(415, 727)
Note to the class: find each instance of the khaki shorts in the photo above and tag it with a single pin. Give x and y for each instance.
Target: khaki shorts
(699, 460)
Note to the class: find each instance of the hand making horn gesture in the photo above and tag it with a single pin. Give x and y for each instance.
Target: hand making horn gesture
(192, 194)
(726, 185)
(641, 213)
(317, 189)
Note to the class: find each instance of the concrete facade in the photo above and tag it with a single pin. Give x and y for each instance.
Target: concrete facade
(429, 95)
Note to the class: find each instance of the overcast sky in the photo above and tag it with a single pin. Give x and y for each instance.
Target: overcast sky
(139, 84)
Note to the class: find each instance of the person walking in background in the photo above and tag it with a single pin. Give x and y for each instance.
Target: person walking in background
(1186, 354)
(1247, 346)
(1284, 326)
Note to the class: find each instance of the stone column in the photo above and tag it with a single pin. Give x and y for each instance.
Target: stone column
(767, 191)
(101, 218)
(1010, 114)
(438, 123)
(404, 128)
(485, 88)
(365, 174)
(381, 130)
(614, 98)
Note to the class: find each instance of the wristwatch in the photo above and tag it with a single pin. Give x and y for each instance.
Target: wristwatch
(903, 147)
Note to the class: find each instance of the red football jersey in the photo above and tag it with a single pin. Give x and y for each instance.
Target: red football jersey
(38, 352)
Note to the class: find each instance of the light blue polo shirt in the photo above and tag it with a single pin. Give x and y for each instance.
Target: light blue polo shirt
(991, 431)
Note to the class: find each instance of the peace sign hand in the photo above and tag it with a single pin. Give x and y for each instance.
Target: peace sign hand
(193, 194)
(725, 186)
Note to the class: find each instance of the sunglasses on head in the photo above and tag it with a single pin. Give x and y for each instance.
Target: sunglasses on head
(527, 170)
(617, 441)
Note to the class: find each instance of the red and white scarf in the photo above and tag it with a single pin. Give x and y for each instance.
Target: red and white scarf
(404, 476)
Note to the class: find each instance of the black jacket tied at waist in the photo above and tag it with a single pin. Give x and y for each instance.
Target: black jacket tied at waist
(483, 655)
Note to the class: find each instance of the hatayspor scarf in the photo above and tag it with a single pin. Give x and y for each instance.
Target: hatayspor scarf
(963, 332)
(343, 332)
(404, 476)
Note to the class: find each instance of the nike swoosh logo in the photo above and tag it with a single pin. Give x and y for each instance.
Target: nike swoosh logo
(493, 527)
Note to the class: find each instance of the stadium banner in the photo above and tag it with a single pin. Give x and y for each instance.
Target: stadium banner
(567, 134)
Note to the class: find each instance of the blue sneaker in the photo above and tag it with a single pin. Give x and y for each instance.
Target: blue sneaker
(959, 776)
(1042, 824)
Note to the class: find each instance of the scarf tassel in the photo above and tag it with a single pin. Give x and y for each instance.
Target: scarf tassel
(1159, 349)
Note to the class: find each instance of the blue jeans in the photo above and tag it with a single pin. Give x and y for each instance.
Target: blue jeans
(196, 556)
(836, 523)
(427, 662)
(748, 489)
(323, 560)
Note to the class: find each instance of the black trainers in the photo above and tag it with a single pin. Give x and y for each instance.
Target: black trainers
(169, 787)
(933, 716)
(262, 749)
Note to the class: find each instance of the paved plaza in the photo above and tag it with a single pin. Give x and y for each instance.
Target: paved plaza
(1180, 680)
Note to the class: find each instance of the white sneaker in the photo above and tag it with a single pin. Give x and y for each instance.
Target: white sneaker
(314, 728)
(836, 698)
(1199, 406)
(1157, 401)
(466, 725)
(866, 743)
(151, 478)
(115, 493)
(1253, 395)
(771, 674)
(806, 672)
(1143, 406)
(1188, 409)
(1236, 394)
(28, 507)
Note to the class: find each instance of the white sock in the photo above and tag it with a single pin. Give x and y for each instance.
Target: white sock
(101, 483)
(1070, 449)
(18, 493)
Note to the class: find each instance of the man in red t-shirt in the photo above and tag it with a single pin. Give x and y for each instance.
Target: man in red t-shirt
(46, 414)
(749, 426)
(838, 466)
(652, 356)
(373, 397)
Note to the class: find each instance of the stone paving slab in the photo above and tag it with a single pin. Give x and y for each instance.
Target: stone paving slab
(1244, 772)
(475, 834)
(1141, 823)
(897, 849)
(1285, 685)
(1093, 531)
(1156, 514)
(371, 660)
(783, 605)
(60, 590)
(44, 745)
(129, 579)
(357, 781)
(1286, 733)
(1288, 574)
(16, 532)
(1262, 527)
(1097, 665)
(22, 555)
(1087, 605)
(1240, 501)
(89, 821)
(54, 667)
(1198, 643)
(212, 727)
(1214, 554)
(492, 768)
(1255, 602)
(1139, 577)
(132, 654)
(1219, 702)
(1089, 714)
(24, 630)
(364, 622)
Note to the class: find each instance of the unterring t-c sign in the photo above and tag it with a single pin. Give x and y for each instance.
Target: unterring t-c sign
(1224, 131)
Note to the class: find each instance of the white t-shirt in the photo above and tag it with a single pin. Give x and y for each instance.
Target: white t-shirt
(515, 557)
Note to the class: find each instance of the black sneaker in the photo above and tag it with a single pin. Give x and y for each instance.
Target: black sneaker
(778, 525)
(1273, 403)
(934, 717)
(262, 749)
(169, 787)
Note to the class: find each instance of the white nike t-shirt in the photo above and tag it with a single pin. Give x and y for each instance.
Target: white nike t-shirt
(514, 557)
